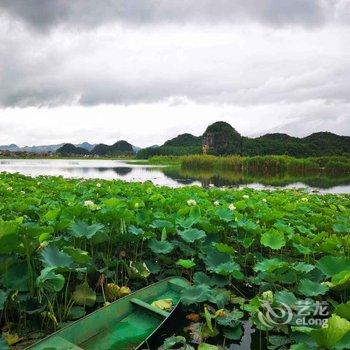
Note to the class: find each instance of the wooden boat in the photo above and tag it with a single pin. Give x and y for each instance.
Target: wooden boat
(123, 325)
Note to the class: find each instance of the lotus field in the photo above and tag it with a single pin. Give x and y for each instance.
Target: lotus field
(277, 260)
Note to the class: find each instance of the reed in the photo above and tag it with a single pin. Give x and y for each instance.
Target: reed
(267, 164)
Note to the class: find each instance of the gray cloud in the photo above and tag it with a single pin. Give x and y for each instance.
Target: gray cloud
(286, 61)
(120, 66)
(43, 14)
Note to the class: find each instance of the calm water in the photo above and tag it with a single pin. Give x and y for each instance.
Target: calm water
(114, 169)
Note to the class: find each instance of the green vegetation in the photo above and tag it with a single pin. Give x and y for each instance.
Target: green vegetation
(221, 138)
(66, 246)
(268, 164)
(69, 149)
(120, 148)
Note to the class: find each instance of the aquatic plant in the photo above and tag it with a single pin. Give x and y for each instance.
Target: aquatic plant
(68, 247)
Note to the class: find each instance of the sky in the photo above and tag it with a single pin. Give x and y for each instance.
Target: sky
(146, 71)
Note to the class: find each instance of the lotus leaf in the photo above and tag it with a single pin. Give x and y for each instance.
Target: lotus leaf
(191, 234)
(160, 247)
(310, 288)
(273, 239)
(329, 336)
(84, 295)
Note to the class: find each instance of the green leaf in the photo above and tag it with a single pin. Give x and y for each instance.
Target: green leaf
(170, 342)
(270, 265)
(332, 265)
(186, 263)
(191, 234)
(310, 288)
(341, 280)
(225, 214)
(162, 224)
(138, 270)
(76, 312)
(51, 215)
(16, 277)
(230, 320)
(186, 222)
(49, 280)
(78, 255)
(3, 344)
(84, 295)
(301, 346)
(328, 337)
(273, 239)
(287, 298)
(82, 230)
(303, 267)
(160, 247)
(52, 257)
(223, 248)
(3, 298)
(9, 239)
(344, 342)
(195, 294)
(302, 249)
(343, 310)
(205, 346)
(233, 333)
(202, 278)
(137, 231)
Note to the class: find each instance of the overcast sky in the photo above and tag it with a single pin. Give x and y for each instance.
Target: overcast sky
(148, 70)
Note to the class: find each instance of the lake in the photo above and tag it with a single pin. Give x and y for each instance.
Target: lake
(173, 177)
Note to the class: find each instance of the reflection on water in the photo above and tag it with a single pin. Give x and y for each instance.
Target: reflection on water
(174, 177)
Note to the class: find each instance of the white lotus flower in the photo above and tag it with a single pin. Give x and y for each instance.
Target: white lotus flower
(191, 202)
(89, 203)
(304, 199)
(98, 185)
(22, 192)
(245, 196)
(264, 200)
(232, 207)
(9, 188)
(216, 203)
(211, 185)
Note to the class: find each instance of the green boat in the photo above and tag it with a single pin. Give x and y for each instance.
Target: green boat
(123, 325)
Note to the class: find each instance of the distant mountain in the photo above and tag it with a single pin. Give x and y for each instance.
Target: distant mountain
(86, 145)
(119, 148)
(184, 140)
(43, 148)
(69, 149)
(277, 137)
(11, 148)
(135, 148)
(220, 138)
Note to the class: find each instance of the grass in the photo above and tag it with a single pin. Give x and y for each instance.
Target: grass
(268, 164)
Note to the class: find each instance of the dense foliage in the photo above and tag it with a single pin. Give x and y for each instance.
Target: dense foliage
(69, 149)
(222, 139)
(268, 164)
(117, 149)
(63, 242)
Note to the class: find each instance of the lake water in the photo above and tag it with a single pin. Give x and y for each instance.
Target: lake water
(173, 177)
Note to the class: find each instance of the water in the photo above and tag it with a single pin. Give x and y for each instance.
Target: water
(173, 177)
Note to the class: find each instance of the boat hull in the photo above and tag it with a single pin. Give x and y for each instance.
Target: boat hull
(123, 325)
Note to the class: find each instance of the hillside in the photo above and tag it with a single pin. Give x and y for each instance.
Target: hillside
(184, 140)
(42, 148)
(119, 148)
(220, 138)
(69, 149)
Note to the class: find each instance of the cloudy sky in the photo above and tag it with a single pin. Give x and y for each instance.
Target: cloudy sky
(147, 70)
